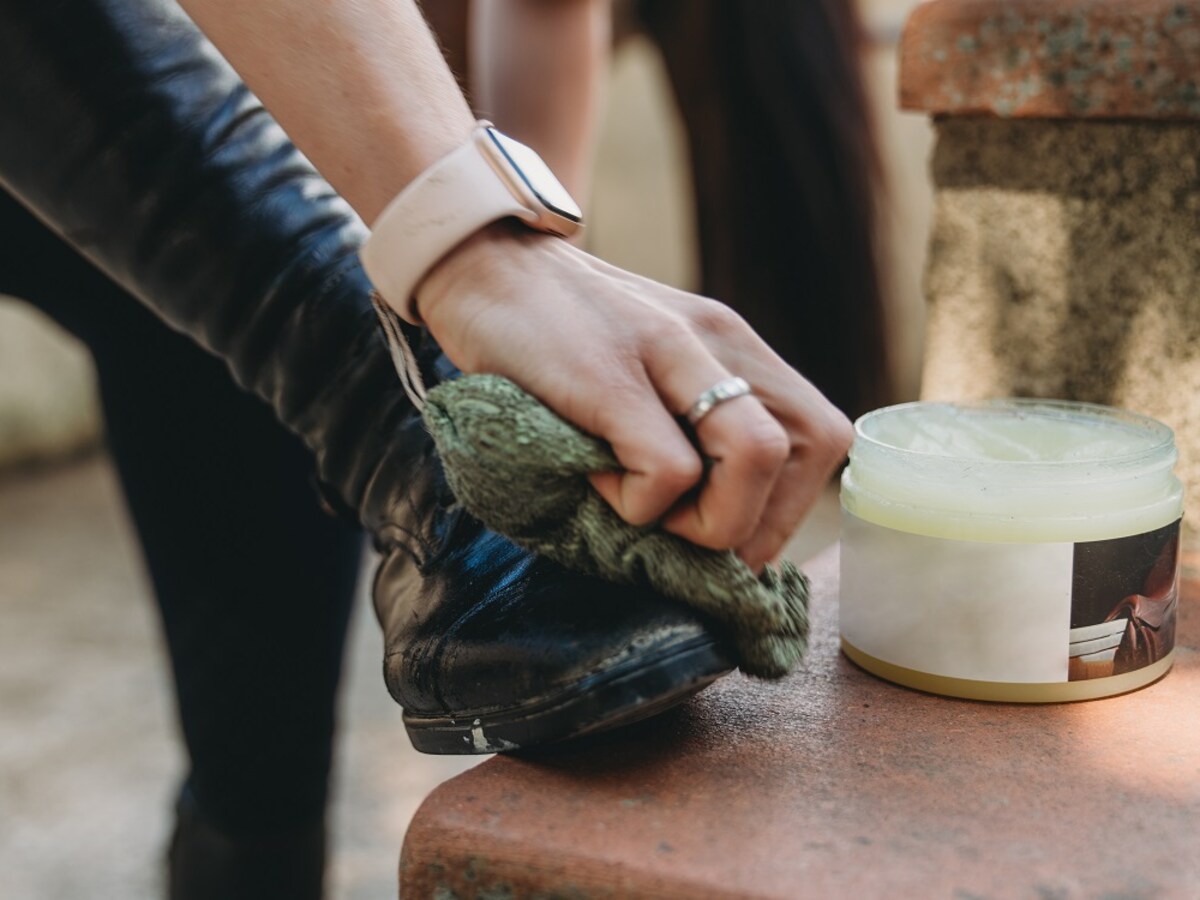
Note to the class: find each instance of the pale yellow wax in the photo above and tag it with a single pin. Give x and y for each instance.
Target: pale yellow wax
(1019, 471)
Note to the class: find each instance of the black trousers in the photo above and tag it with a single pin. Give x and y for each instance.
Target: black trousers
(254, 582)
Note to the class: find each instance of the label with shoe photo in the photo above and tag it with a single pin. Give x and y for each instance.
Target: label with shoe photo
(1124, 597)
(1008, 613)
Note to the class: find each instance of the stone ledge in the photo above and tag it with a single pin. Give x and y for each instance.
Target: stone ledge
(835, 784)
(1136, 59)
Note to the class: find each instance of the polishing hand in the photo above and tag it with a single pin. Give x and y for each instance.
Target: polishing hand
(622, 357)
(522, 471)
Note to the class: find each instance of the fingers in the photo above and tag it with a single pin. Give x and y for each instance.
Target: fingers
(658, 462)
(806, 473)
(820, 439)
(747, 449)
(773, 453)
(745, 446)
(770, 454)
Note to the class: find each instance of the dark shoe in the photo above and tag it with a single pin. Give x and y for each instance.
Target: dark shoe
(206, 863)
(141, 146)
(490, 648)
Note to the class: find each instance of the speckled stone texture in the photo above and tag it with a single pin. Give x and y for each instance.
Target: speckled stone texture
(1065, 262)
(835, 784)
(1067, 58)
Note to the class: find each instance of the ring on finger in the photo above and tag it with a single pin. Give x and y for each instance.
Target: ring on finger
(723, 390)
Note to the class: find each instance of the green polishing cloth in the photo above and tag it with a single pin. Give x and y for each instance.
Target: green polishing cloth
(522, 471)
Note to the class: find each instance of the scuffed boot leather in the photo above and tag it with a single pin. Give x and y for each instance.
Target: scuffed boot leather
(125, 131)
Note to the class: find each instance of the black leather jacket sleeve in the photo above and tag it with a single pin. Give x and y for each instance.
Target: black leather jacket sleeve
(126, 131)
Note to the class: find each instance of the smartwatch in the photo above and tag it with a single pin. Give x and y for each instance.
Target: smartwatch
(490, 177)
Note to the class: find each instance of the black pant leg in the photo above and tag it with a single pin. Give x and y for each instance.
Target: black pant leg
(254, 582)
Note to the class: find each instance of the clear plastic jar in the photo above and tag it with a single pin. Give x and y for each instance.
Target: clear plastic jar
(1017, 550)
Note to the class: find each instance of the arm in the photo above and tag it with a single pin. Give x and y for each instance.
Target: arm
(361, 88)
(358, 84)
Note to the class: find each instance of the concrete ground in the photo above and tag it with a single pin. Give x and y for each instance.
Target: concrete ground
(88, 753)
(89, 756)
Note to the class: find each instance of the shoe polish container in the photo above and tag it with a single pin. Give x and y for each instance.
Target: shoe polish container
(1016, 550)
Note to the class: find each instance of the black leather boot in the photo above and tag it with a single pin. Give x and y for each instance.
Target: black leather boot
(125, 130)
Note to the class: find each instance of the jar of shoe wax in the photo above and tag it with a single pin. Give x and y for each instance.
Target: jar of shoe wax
(1015, 550)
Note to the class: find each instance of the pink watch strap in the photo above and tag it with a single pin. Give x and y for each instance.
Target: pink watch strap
(446, 204)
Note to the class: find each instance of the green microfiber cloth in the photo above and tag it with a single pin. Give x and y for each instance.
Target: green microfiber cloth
(521, 470)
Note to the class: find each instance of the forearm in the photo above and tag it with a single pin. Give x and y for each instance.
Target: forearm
(538, 69)
(359, 85)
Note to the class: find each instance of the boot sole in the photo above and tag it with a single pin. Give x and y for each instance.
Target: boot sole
(620, 696)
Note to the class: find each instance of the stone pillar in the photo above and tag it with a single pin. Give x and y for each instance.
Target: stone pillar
(1065, 253)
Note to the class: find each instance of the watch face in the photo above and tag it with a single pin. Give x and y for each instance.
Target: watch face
(537, 176)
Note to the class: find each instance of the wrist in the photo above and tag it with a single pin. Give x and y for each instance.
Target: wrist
(485, 180)
(480, 269)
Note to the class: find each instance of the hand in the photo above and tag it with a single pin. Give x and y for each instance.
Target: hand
(621, 356)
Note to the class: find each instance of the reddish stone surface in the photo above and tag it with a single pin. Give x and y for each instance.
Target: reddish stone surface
(835, 784)
(1064, 59)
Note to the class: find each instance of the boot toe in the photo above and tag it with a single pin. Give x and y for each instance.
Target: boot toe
(498, 649)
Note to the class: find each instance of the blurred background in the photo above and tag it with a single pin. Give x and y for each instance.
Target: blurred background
(89, 755)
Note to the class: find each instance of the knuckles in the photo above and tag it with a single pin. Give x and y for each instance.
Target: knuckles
(678, 473)
(762, 446)
(838, 436)
(670, 477)
(715, 318)
(666, 335)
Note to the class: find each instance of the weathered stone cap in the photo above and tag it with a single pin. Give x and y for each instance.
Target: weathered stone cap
(1122, 59)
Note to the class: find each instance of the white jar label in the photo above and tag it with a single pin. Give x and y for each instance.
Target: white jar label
(1009, 612)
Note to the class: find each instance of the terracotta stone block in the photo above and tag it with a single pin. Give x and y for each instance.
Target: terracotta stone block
(1063, 59)
(835, 784)
(1065, 262)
